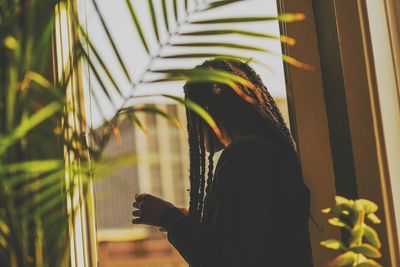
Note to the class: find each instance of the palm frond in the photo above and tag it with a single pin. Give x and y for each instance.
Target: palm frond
(137, 24)
(28, 125)
(111, 41)
(168, 48)
(154, 19)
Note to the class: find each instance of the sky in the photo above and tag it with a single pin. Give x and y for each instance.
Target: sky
(134, 56)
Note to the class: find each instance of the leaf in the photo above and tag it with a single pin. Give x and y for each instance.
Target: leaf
(342, 200)
(34, 166)
(138, 25)
(216, 56)
(367, 250)
(327, 210)
(202, 113)
(368, 206)
(102, 166)
(369, 263)
(291, 17)
(165, 14)
(151, 109)
(10, 42)
(135, 120)
(34, 181)
(37, 78)
(117, 134)
(283, 38)
(346, 260)
(371, 236)
(225, 45)
(28, 124)
(338, 222)
(4, 229)
(283, 18)
(333, 244)
(98, 78)
(153, 19)
(337, 210)
(213, 5)
(294, 62)
(176, 9)
(205, 55)
(96, 54)
(373, 218)
(111, 40)
(210, 75)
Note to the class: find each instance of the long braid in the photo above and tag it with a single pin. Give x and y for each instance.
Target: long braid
(194, 161)
(255, 79)
(202, 168)
(210, 176)
(279, 116)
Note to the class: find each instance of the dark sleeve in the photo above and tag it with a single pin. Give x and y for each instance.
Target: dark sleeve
(186, 235)
(243, 208)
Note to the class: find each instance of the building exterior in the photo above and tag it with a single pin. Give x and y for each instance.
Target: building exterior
(161, 169)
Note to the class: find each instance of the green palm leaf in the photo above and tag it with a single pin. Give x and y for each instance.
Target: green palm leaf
(283, 18)
(29, 124)
(111, 40)
(202, 113)
(222, 3)
(137, 24)
(165, 14)
(154, 110)
(199, 8)
(284, 39)
(176, 10)
(153, 19)
(208, 75)
(99, 78)
(225, 45)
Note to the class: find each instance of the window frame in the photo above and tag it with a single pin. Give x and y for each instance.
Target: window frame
(79, 187)
(309, 123)
(336, 40)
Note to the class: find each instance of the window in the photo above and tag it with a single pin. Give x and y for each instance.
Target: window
(384, 19)
(346, 108)
(346, 111)
(162, 154)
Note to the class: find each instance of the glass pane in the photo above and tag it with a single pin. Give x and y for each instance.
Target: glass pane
(384, 51)
(161, 166)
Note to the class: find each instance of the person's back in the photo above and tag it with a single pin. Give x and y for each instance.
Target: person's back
(256, 212)
(253, 209)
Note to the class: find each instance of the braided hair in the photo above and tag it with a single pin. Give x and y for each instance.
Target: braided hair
(234, 113)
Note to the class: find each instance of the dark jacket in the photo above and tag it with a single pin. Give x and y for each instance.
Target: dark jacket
(258, 211)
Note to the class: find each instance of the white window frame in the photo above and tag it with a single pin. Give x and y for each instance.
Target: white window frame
(79, 189)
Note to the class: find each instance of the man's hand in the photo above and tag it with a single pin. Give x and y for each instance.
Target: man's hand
(149, 209)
